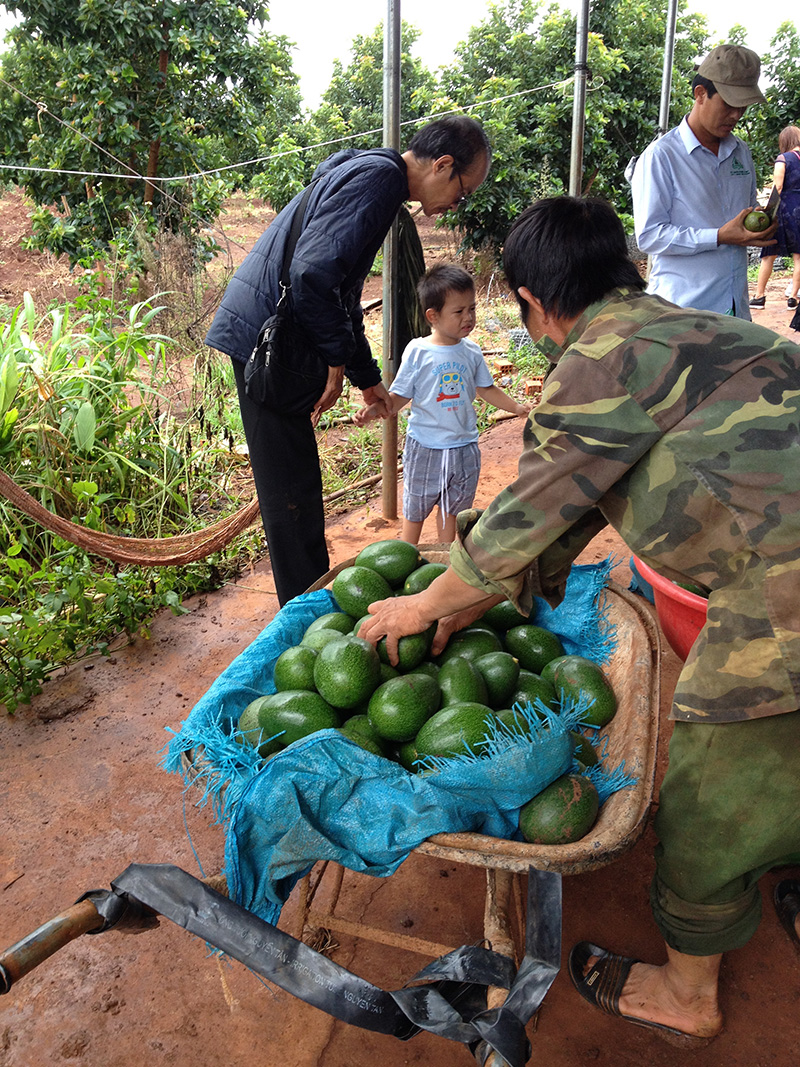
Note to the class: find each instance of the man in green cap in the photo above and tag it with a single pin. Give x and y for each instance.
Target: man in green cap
(693, 188)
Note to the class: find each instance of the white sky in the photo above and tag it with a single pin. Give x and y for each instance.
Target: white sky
(324, 31)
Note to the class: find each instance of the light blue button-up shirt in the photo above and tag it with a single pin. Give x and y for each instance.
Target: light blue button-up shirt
(682, 195)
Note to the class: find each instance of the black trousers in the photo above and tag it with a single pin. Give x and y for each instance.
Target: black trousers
(285, 463)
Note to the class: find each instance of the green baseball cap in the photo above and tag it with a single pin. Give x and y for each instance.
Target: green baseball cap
(734, 70)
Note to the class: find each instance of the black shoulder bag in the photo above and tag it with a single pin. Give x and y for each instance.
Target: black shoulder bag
(285, 372)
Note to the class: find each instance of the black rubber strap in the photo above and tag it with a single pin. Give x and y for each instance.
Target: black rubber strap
(447, 997)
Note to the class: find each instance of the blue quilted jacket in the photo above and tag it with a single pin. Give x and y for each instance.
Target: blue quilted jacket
(347, 218)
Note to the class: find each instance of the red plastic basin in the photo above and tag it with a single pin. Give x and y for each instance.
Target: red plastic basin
(681, 614)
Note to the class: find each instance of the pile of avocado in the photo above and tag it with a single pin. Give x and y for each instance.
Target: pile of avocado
(428, 707)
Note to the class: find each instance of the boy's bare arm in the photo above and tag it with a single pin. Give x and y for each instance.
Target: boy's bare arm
(495, 396)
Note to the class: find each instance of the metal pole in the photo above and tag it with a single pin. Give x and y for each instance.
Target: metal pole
(579, 99)
(666, 76)
(666, 85)
(391, 139)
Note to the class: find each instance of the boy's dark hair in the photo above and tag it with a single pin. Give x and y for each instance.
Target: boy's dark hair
(708, 85)
(569, 252)
(442, 279)
(458, 136)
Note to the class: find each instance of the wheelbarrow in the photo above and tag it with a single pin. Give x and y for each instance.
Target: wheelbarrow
(139, 895)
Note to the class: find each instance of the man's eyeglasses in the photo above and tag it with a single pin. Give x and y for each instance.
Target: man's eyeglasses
(464, 194)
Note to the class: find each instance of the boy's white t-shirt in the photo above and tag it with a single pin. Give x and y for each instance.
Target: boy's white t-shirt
(441, 383)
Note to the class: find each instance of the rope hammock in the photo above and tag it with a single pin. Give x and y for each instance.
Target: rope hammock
(141, 551)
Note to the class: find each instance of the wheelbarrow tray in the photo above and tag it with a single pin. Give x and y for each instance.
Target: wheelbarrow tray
(634, 673)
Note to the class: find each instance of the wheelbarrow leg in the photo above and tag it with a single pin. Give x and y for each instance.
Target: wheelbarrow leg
(497, 924)
(497, 931)
(542, 947)
(307, 890)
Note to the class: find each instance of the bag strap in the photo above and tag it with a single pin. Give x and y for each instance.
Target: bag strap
(294, 235)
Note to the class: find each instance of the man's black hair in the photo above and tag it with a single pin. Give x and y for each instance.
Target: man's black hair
(706, 83)
(569, 252)
(458, 136)
(442, 278)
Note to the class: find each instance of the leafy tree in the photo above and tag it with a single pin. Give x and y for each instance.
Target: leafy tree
(356, 91)
(354, 98)
(638, 31)
(781, 81)
(141, 88)
(523, 56)
(495, 69)
(737, 35)
(284, 177)
(351, 105)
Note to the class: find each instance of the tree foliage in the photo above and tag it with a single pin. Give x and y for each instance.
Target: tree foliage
(781, 78)
(351, 105)
(515, 72)
(142, 88)
(176, 87)
(356, 90)
(353, 102)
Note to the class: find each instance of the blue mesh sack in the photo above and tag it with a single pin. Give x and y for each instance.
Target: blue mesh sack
(324, 797)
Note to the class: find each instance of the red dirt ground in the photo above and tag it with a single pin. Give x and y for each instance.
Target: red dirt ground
(84, 795)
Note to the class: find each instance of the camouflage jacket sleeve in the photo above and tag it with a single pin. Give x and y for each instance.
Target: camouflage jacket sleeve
(679, 428)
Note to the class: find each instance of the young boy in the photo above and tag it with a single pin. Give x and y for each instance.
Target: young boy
(440, 376)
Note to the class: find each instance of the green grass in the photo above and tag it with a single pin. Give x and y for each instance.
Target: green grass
(89, 426)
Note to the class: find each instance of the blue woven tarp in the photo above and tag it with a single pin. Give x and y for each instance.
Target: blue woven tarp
(326, 798)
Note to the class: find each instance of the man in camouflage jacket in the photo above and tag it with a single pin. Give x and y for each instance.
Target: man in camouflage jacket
(680, 428)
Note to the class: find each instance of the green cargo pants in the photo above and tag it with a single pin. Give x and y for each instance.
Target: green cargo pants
(729, 810)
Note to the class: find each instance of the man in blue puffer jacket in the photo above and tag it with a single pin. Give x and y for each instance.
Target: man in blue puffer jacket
(348, 215)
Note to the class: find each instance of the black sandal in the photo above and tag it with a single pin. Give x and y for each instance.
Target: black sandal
(786, 896)
(603, 982)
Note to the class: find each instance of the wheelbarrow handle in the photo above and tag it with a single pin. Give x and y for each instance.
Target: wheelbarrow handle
(57, 932)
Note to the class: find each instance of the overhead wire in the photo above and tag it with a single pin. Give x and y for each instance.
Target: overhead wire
(131, 172)
(161, 182)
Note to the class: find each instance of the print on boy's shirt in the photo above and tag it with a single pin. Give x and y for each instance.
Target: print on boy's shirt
(450, 384)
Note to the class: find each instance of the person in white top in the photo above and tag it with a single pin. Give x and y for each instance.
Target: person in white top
(693, 189)
(440, 376)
